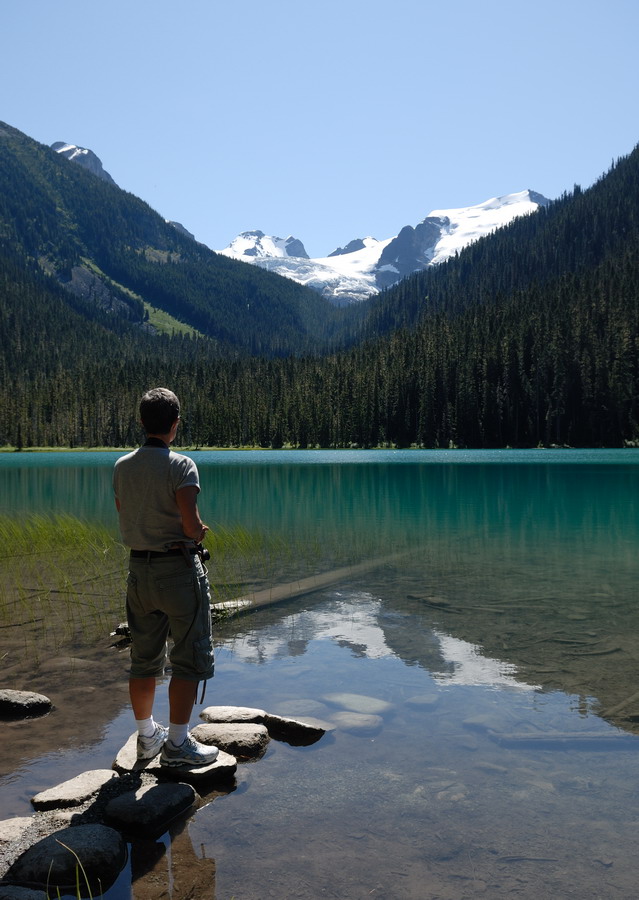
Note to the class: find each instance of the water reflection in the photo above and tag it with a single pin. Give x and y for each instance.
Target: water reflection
(503, 643)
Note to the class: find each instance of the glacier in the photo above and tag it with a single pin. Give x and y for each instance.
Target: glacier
(366, 265)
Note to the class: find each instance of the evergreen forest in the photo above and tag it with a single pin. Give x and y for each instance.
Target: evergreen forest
(529, 337)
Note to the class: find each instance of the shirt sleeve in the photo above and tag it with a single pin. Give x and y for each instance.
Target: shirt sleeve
(186, 474)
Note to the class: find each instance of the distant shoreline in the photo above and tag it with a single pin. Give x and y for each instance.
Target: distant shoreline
(630, 445)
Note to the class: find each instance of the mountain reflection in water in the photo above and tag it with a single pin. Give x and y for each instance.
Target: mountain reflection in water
(500, 644)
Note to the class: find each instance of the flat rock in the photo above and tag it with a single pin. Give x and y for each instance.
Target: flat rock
(232, 714)
(151, 808)
(13, 829)
(358, 723)
(73, 792)
(53, 861)
(359, 703)
(126, 760)
(248, 740)
(299, 732)
(23, 704)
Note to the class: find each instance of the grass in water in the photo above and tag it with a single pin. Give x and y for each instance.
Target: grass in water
(63, 580)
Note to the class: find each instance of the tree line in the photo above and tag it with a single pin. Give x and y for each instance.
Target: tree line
(529, 337)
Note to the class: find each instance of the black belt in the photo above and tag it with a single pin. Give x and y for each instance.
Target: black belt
(145, 554)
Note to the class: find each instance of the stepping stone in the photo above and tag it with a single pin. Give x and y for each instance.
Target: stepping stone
(232, 714)
(73, 792)
(150, 809)
(53, 861)
(359, 703)
(223, 769)
(23, 704)
(297, 732)
(358, 723)
(248, 740)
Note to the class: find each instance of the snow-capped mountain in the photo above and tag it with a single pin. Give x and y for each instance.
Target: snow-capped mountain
(366, 266)
(258, 246)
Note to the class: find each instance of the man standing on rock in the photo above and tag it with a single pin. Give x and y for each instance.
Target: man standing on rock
(167, 589)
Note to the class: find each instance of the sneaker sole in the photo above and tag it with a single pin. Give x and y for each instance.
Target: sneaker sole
(187, 765)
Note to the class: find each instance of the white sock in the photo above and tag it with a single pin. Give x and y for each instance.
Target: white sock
(177, 733)
(146, 727)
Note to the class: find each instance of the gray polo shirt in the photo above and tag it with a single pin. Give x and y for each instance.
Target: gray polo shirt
(145, 483)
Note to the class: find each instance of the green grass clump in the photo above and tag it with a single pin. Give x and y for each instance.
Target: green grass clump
(63, 580)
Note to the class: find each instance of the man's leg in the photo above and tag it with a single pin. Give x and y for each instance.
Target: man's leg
(142, 694)
(151, 736)
(182, 695)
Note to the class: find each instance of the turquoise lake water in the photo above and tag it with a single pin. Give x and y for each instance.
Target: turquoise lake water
(497, 633)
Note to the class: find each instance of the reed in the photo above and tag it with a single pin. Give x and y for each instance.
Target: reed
(62, 579)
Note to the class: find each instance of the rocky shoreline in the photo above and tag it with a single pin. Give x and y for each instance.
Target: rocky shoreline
(90, 818)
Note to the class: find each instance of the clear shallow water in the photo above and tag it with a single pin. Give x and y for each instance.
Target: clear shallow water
(503, 639)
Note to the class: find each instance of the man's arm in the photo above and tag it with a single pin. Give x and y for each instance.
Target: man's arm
(192, 525)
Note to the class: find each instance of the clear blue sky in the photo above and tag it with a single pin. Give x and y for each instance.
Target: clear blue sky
(326, 119)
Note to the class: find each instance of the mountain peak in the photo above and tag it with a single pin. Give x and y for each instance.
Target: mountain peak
(366, 266)
(85, 158)
(254, 245)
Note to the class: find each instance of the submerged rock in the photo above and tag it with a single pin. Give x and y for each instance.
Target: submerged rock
(53, 861)
(358, 723)
(23, 704)
(75, 791)
(359, 703)
(423, 701)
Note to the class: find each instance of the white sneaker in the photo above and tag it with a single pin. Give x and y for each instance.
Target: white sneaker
(148, 747)
(189, 753)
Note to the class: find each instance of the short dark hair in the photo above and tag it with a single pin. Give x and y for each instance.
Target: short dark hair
(159, 410)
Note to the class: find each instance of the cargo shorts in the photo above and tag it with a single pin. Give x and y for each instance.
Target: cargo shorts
(167, 597)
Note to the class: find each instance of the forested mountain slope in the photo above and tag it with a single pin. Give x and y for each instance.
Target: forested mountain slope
(573, 234)
(110, 248)
(530, 337)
